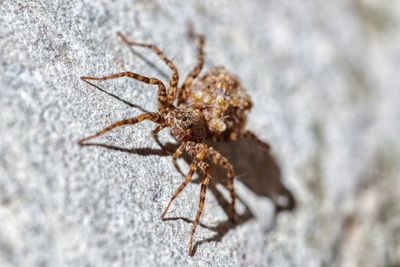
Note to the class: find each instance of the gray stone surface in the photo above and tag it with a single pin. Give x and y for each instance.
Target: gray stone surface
(324, 79)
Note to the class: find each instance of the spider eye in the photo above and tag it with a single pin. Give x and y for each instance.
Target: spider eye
(185, 118)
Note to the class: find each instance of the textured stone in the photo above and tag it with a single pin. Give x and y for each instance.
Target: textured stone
(323, 77)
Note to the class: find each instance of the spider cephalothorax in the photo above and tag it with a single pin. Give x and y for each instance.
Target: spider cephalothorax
(188, 125)
(212, 108)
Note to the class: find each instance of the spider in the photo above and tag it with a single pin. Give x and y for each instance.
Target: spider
(212, 108)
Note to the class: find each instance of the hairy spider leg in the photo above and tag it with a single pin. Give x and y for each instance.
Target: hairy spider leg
(198, 162)
(163, 103)
(193, 167)
(249, 135)
(155, 132)
(204, 167)
(177, 155)
(184, 90)
(155, 117)
(179, 151)
(175, 74)
(219, 159)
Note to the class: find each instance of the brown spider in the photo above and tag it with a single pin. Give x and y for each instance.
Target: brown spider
(213, 108)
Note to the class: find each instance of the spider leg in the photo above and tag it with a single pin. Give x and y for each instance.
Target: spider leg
(193, 167)
(204, 167)
(155, 117)
(179, 151)
(175, 74)
(162, 92)
(155, 132)
(183, 93)
(219, 159)
(177, 155)
(249, 135)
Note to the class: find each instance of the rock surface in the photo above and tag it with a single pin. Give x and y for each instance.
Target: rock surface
(324, 81)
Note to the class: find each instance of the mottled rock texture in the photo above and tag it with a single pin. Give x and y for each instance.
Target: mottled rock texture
(324, 79)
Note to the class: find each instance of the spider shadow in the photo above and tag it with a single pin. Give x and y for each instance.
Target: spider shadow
(256, 169)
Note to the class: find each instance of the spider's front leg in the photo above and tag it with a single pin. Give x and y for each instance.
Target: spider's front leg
(207, 177)
(152, 116)
(163, 103)
(155, 132)
(175, 74)
(193, 167)
(198, 162)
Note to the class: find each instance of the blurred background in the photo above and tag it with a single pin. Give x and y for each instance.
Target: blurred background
(323, 77)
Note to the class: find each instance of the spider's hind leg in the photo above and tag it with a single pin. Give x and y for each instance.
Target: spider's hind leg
(249, 135)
